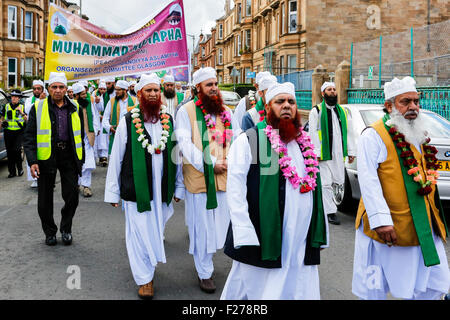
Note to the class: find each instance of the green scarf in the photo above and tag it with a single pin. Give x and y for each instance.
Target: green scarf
(326, 152)
(269, 211)
(114, 121)
(259, 105)
(140, 175)
(418, 209)
(89, 113)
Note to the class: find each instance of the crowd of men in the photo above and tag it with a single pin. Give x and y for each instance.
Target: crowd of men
(253, 181)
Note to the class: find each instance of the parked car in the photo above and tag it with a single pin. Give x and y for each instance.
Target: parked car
(363, 115)
(3, 101)
(230, 99)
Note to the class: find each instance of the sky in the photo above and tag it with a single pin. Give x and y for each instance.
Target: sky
(119, 16)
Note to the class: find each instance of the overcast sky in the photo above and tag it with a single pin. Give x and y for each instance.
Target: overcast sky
(118, 16)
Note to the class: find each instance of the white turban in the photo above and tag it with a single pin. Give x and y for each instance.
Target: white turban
(147, 79)
(122, 84)
(57, 77)
(110, 79)
(169, 79)
(102, 85)
(279, 88)
(84, 83)
(396, 87)
(132, 83)
(326, 85)
(267, 82)
(78, 87)
(203, 74)
(69, 88)
(38, 83)
(261, 75)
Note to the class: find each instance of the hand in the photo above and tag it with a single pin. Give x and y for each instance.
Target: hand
(176, 199)
(34, 169)
(387, 234)
(113, 129)
(351, 159)
(115, 205)
(221, 166)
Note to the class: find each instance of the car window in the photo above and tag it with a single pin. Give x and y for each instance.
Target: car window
(437, 126)
(228, 95)
(3, 101)
(370, 116)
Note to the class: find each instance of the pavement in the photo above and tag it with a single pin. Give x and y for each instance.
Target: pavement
(96, 267)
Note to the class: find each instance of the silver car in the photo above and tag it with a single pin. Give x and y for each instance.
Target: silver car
(363, 115)
(230, 99)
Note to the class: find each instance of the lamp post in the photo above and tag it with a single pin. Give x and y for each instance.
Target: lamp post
(192, 53)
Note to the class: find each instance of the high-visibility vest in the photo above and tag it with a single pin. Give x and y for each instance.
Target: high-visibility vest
(44, 130)
(13, 123)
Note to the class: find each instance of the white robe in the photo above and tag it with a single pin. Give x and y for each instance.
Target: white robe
(106, 122)
(294, 280)
(378, 268)
(331, 171)
(102, 141)
(207, 228)
(239, 112)
(144, 232)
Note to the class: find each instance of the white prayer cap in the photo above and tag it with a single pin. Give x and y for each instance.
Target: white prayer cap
(261, 75)
(69, 88)
(38, 83)
(122, 84)
(132, 83)
(84, 83)
(266, 82)
(326, 85)
(110, 79)
(203, 74)
(396, 87)
(78, 87)
(57, 77)
(147, 79)
(168, 78)
(102, 85)
(279, 88)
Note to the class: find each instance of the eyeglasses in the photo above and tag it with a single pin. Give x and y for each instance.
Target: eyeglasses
(57, 87)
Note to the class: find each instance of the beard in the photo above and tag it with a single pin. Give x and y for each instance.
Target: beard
(289, 129)
(150, 109)
(82, 102)
(330, 100)
(414, 130)
(213, 104)
(169, 94)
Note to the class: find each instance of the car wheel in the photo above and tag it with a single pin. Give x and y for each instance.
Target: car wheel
(342, 195)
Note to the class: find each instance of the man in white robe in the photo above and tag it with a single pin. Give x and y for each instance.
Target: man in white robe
(292, 271)
(332, 144)
(106, 91)
(90, 120)
(386, 258)
(144, 231)
(38, 93)
(207, 227)
(170, 97)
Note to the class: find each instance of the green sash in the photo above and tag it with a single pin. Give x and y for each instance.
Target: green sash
(259, 105)
(114, 121)
(418, 209)
(326, 152)
(269, 211)
(89, 113)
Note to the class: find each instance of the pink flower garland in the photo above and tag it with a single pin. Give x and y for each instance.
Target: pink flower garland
(306, 183)
(225, 116)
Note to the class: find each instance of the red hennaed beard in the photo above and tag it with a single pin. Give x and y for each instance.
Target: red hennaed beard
(213, 104)
(150, 109)
(289, 129)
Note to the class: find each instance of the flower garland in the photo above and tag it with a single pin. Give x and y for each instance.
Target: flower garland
(412, 165)
(225, 116)
(306, 183)
(161, 145)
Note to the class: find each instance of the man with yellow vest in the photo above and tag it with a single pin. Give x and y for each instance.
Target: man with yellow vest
(330, 130)
(54, 141)
(205, 171)
(400, 225)
(13, 120)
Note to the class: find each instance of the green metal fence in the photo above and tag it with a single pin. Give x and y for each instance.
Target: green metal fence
(436, 99)
(304, 99)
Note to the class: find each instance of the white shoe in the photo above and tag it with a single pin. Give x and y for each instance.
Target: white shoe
(34, 184)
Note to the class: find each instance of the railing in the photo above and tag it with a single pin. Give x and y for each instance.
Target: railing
(436, 99)
(304, 99)
(302, 80)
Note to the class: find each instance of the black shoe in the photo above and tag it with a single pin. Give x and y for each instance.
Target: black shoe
(12, 175)
(333, 219)
(20, 173)
(66, 238)
(50, 240)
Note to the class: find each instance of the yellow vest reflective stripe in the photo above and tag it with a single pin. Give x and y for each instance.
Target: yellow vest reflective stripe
(44, 131)
(13, 123)
(319, 109)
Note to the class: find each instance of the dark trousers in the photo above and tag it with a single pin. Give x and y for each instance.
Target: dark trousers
(69, 189)
(13, 144)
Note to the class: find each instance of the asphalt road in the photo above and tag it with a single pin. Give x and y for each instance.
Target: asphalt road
(95, 266)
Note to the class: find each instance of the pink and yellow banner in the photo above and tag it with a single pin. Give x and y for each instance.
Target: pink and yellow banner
(84, 51)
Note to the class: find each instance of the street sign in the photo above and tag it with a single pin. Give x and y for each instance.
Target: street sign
(250, 75)
(370, 75)
(234, 72)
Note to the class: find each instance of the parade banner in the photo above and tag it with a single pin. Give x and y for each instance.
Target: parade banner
(84, 51)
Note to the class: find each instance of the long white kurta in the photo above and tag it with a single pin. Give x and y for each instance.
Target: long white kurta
(207, 228)
(377, 268)
(106, 122)
(331, 171)
(144, 232)
(293, 280)
(27, 108)
(102, 141)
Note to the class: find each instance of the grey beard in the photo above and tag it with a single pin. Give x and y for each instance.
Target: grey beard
(414, 130)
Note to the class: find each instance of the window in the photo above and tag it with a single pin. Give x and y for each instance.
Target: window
(248, 39)
(28, 66)
(22, 72)
(12, 72)
(293, 16)
(220, 56)
(239, 13)
(28, 26)
(22, 17)
(247, 71)
(292, 63)
(281, 64)
(248, 8)
(12, 22)
(203, 51)
(283, 19)
(220, 31)
(239, 45)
